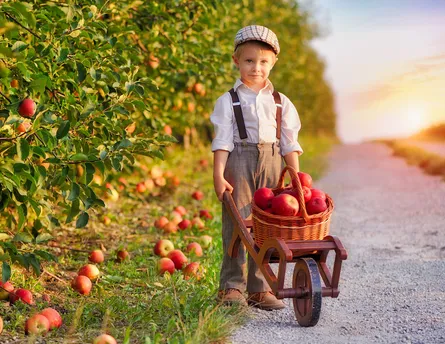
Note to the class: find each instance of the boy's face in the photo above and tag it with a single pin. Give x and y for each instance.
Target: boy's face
(254, 64)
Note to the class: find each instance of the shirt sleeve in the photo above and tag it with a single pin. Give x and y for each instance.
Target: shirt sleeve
(222, 120)
(290, 126)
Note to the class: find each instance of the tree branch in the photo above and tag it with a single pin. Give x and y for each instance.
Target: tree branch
(21, 25)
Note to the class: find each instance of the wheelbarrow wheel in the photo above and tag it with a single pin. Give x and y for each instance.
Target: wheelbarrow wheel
(307, 308)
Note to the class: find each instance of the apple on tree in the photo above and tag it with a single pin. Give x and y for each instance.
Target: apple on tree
(27, 108)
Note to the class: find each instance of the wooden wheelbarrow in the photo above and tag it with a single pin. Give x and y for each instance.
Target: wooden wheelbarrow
(310, 268)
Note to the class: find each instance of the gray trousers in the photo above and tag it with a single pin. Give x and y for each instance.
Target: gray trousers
(249, 167)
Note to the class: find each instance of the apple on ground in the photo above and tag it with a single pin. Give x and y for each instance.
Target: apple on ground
(23, 295)
(205, 214)
(178, 257)
(37, 324)
(263, 197)
(305, 179)
(170, 227)
(193, 270)
(197, 222)
(161, 222)
(206, 241)
(285, 205)
(106, 220)
(318, 193)
(204, 163)
(163, 247)
(316, 205)
(165, 264)
(175, 217)
(82, 284)
(5, 289)
(122, 255)
(27, 108)
(90, 270)
(96, 256)
(194, 248)
(104, 339)
(54, 318)
(198, 195)
(184, 224)
(181, 210)
(1, 325)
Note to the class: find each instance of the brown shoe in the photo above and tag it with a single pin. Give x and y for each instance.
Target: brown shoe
(232, 296)
(265, 300)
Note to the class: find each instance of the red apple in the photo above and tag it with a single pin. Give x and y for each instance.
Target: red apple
(1, 325)
(153, 61)
(82, 284)
(204, 163)
(106, 220)
(318, 193)
(205, 214)
(193, 270)
(163, 247)
(21, 294)
(170, 227)
(175, 217)
(166, 265)
(96, 256)
(178, 257)
(184, 224)
(37, 324)
(285, 205)
(268, 210)
(140, 187)
(23, 127)
(122, 255)
(197, 222)
(161, 222)
(307, 193)
(27, 108)
(198, 195)
(194, 248)
(168, 130)
(91, 271)
(5, 289)
(181, 210)
(262, 197)
(104, 339)
(206, 241)
(305, 179)
(54, 318)
(316, 205)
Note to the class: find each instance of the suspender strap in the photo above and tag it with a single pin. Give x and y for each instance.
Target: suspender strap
(277, 98)
(238, 115)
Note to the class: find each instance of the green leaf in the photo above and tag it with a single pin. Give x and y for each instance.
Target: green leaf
(23, 212)
(35, 264)
(74, 193)
(81, 72)
(46, 255)
(82, 220)
(4, 236)
(19, 46)
(6, 272)
(63, 129)
(38, 85)
(22, 237)
(43, 237)
(22, 148)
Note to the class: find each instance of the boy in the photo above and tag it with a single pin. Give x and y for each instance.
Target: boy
(248, 149)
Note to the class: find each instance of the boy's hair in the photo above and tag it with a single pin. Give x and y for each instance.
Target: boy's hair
(262, 45)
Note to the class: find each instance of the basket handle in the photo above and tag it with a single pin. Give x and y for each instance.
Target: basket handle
(296, 185)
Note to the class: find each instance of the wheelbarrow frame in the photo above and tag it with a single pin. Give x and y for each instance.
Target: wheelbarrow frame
(277, 250)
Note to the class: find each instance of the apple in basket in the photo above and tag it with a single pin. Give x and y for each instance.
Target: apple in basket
(285, 205)
(306, 193)
(318, 193)
(305, 179)
(316, 205)
(262, 197)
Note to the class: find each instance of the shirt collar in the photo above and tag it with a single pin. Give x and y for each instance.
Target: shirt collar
(269, 85)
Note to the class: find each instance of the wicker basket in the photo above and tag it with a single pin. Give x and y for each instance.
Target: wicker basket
(306, 227)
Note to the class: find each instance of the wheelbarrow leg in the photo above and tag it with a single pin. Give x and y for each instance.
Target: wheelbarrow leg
(306, 276)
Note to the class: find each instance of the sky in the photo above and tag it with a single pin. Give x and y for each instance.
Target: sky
(385, 60)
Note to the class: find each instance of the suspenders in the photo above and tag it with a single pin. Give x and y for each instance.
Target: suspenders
(239, 114)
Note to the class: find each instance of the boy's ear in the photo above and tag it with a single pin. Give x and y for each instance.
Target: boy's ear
(235, 60)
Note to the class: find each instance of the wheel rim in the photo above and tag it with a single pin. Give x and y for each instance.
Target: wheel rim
(307, 308)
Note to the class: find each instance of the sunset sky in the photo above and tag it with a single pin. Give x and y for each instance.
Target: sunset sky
(386, 63)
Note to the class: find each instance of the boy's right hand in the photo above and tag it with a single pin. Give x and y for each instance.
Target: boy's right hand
(221, 185)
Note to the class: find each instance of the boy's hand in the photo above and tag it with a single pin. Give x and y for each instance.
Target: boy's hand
(221, 185)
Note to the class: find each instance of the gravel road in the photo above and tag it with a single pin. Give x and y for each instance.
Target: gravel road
(391, 219)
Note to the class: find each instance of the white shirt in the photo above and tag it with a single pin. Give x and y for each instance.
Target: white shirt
(259, 113)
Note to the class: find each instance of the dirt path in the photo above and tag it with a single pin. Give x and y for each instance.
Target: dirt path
(391, 219)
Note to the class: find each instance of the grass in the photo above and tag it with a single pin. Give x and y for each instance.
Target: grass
(130, 300)
(431, 163)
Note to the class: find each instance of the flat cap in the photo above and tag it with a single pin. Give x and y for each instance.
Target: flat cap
(257, 33)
